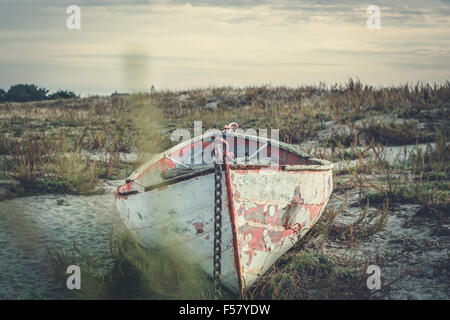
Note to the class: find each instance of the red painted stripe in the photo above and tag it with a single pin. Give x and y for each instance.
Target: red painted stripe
(232, 214)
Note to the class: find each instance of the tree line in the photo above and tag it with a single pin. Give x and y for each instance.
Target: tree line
(31, 92)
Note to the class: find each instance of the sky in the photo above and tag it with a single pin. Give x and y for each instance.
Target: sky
(172, 44)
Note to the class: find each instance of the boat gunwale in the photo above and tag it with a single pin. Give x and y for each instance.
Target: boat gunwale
(207, 169)
(324, 165)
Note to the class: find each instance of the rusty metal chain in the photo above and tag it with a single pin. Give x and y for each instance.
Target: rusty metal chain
(217, 256)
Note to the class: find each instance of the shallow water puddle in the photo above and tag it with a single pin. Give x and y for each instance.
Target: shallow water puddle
(30, 225)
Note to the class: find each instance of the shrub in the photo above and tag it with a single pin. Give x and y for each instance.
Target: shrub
(25, 92)
(63, 94)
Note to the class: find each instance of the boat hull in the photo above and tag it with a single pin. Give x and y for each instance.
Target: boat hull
(270, 211)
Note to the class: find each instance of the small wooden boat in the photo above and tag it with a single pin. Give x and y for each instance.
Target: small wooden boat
(272, 195)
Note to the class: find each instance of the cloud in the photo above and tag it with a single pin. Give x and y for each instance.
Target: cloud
(220, 42)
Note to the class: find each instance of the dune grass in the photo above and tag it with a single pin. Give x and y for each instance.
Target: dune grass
(137, 273)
